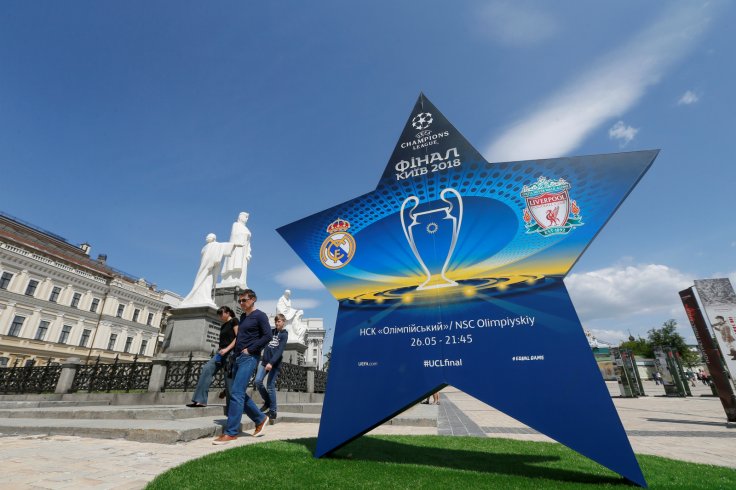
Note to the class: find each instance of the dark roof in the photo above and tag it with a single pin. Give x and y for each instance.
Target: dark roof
(49, 244)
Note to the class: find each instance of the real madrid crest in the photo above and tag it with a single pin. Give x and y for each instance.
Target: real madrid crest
(338, 249)
(549, 209)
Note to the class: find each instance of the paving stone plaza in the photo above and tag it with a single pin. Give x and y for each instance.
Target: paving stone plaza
(689, 429)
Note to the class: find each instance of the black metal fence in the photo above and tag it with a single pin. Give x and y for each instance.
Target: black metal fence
(183, 375)
(118, 376)
(29, 379)
(292, 378)
(320, 381)
(128, 376)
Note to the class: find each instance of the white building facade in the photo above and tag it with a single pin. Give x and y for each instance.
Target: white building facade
(314, 339)
(57, 303)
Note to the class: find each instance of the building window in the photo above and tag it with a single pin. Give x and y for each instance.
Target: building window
(65, 331)
(43, 327)
(30, 362)
(136, 313)
(55, 294)
(16, 325)
(4, 361)
(95, 304)
(128, 344)
(111, 343)
(121, 309)
(5, 280)
(31, 288)
(75, 300)
(144, 344)
(150, 319)
(85, 338)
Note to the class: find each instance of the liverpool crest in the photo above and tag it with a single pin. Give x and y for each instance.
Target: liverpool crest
(549, 209)
(338, 248)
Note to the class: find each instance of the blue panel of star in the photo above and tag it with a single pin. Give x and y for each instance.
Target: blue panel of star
(450, 273)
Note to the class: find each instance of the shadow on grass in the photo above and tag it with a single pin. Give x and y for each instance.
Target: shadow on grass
(522, 465)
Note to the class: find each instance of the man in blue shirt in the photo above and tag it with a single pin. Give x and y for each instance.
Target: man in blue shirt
(254, 333)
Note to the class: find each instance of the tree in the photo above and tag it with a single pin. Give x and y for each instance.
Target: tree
(668, 336)
(326, 366)
(639, 347)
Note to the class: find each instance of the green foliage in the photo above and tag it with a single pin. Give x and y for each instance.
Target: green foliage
(668, 336)
(640, 347)
(327, 362)
(427, 462)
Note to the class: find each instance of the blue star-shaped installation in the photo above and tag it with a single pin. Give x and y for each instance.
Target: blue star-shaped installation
(450, 273)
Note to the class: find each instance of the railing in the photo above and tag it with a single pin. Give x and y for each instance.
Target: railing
(118, 376)
(29, 379)
(320, 381)
(128, 376)
(292, 378)
(183, 375)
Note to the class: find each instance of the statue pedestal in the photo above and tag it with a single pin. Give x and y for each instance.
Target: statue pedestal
(226, 296)
(195, 330)
(294, 353)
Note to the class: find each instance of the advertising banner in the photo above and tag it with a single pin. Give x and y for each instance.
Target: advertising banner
(451, 272)
(711, 354)
(626, 385)
(719, 302)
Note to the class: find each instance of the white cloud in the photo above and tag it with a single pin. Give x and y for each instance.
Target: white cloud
(625, 292)
(615, 337)
(516, 24)
(268, 306)
(299, 277)
(604, 91)
(688, 98)
(622, 132)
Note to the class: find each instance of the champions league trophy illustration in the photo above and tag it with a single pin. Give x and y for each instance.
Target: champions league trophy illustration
(432, 236)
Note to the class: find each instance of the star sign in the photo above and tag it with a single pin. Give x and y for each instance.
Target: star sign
(450, 273)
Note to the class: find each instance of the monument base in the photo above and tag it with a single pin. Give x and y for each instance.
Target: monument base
(194, 330)
(228, 296)
(294, 353)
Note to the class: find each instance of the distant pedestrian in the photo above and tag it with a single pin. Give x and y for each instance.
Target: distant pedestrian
(435, 397)
(228, 332)
(271, 365)
(657, 377)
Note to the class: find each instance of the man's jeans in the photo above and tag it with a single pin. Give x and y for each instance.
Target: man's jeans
(239, 400)
(268, 393)
(205, 380)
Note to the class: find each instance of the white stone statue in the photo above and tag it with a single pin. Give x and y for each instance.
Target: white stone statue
(212, 255)
(294, 324)
(235, 266)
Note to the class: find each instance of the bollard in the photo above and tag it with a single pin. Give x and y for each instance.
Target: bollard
(66, 378)
(158, 376)
(310, 378)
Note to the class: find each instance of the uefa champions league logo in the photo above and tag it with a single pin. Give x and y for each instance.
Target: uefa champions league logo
(422, 121)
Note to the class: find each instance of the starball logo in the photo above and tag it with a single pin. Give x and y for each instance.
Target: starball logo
(425, 137)
(421, 121)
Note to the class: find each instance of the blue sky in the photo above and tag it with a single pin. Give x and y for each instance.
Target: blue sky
(140, 127)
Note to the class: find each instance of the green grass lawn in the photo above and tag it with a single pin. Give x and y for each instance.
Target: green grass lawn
(427, 462)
